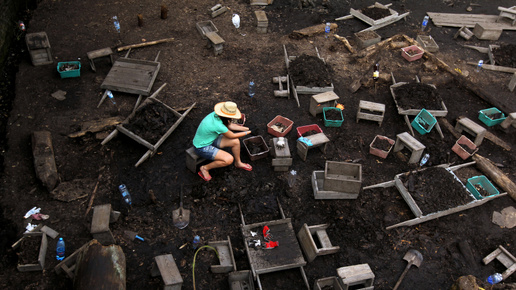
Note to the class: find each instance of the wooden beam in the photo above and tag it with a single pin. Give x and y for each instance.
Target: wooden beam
(494, 173)
(144, 44)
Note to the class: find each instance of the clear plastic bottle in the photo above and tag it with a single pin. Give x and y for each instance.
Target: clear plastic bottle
(292, 178)
(126, 196)
(425, 23)
(424, 160)
(327, 30)
(111, 97)
(252, 87)
(495, 278)
(60, 249)
(479, 65)
(196, 242)
(21, 25)
(116, 23)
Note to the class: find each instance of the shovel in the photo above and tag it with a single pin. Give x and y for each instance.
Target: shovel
(132, 235)
(180, 216)
(413, 257)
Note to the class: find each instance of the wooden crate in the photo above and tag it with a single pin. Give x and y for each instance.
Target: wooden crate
(39, 48)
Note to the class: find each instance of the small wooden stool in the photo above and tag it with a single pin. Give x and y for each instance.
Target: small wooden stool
(406, 140)
(167, 268)
(511, 119)
(322, 100)
(92, 55)
(356, 275)
(506, 258)
(192, 159)
(465, 124)
(282, 159)
(371, 111)
(216, 41)
(318, 140)
(261, 21)
(227, 260)
(309, 246)
(100, 225)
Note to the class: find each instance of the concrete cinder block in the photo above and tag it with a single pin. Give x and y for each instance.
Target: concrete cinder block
(486, 32)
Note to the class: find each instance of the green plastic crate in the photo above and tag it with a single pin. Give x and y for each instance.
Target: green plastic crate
(332, 123)
(483, 115)
(69, 73)
(424, 117)
(484, 183)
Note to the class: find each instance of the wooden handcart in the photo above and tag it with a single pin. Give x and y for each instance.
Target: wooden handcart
(288, 255)
(420, 218)
(303, 89)
(375, 24)
(413, 112)
(133, 76)
(152, 147)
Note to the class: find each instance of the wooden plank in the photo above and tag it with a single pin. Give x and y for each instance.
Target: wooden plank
(495, 67)
(468, 20)
(407, 197)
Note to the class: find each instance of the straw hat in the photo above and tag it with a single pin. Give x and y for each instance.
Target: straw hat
(228, 110)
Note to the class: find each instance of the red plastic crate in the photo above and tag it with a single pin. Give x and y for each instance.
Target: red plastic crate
(303, 129)
(379, 152)
(458, 147)
(414, 57)
(284, 121)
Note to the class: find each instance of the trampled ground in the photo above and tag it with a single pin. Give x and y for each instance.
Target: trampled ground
(193, 74)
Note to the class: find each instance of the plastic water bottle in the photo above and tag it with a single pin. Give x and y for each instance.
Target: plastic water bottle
(292, 178)
(111, 97)
(424, 160)
(196, 242)
(495, 278)
(60, 249)
(425, 23)
(376, 72)
(116, 23)
(479, 65)
(126, 196)
(327, 30)
(252, 87)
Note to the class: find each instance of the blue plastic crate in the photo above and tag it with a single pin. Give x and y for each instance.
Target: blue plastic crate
(332, 123)
(424, 122)
(484, 183)
(483, 115)
(69, 73)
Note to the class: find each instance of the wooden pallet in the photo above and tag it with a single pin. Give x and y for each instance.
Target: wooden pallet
(469, 20)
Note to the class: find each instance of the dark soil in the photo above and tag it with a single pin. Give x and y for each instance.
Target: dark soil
(382, 144)
(481, 190)
(151, 122)
(412, 52)
(417, 96)
(28, 251)
(375, 13)
(495, 116)
(279, 127)
(435, 189)
(309, 133)
(505, 55)
(68, 67)
(195, 75)
(309, 71)
(467, 149)
(333, 115)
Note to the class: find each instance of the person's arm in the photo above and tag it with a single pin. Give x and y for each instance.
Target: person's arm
(236, 127)
(232, 135)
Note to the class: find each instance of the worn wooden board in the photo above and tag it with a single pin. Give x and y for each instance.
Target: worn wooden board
(468, 20)
(132, 76)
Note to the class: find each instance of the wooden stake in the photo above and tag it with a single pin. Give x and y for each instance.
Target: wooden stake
(140, 20)
(488, 168)
(164, 11)
(92, 196)
(144, 44)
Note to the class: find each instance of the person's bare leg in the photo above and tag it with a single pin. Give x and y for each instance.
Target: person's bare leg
(234, 144)
(222, 159)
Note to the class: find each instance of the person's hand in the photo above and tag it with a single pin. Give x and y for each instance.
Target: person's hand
(254, 130)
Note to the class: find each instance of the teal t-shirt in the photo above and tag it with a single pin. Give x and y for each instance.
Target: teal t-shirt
(209, 129)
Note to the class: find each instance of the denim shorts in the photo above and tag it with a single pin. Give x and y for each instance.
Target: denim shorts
(210, 151)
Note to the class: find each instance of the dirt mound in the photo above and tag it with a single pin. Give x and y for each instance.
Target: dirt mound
(309, 71)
